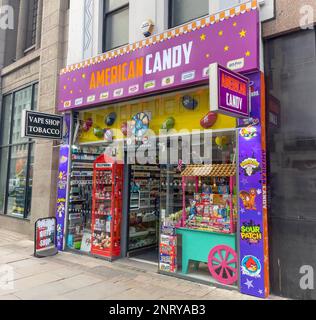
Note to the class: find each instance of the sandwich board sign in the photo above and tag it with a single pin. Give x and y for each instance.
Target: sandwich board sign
(45, 237)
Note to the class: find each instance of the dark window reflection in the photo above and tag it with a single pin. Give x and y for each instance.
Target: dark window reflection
(291, 74)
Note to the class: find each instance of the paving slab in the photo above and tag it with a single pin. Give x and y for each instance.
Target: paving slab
(69, 276)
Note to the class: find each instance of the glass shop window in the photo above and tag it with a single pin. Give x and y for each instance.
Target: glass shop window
(199, 215)
(16, 154)
(115, 24)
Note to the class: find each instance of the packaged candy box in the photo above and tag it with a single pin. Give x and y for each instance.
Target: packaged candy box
(168, 230)
(167, 267)
(168, 240)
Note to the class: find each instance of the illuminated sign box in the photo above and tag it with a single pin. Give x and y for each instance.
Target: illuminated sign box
(229, 92)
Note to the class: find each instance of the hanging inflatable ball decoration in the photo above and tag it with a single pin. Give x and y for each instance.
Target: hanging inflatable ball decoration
(108, 135)
(87, 125)
(219, 141)
(140, 124)
(189, 103)
(222, 142)
(168, 124)
(110, 119)
(209, 120)
(124, 129)
(225, 140)
(98, 132)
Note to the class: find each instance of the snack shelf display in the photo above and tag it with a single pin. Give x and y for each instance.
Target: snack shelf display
(80, 199)
(168, 249)
(107, 207)
(171, 191)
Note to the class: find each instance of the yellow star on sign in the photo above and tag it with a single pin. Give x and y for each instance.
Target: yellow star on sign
(83, 76)
(226, 48)
(248, 53)
(220, 33)
(243, 33)
(203, 37)
(235, 24)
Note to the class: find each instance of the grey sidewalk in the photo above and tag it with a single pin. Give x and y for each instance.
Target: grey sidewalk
(72, 277)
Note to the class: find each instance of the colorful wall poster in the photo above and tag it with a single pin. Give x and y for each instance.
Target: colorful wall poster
(254, 260)
(62, 184)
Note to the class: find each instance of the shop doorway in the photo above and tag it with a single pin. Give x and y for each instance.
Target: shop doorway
(155, 192)
(144, 213)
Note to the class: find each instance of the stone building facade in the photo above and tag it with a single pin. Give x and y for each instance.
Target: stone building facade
(33, 54)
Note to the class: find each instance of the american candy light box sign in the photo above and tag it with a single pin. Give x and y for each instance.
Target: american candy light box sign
(229, 92)
(174, 59)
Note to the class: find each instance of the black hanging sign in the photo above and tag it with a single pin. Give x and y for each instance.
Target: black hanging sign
(41, 125)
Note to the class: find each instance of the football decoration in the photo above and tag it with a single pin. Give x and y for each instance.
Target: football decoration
(189, 103)
(110, 119)
(124, 129)
(209, 120)
(168, 124)
(98, 132)
(140, 124)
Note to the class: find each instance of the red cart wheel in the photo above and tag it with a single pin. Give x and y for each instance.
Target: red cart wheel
(222, 263)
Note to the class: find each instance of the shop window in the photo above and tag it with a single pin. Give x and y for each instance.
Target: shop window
(181, 11)
(16, 154)
(115, 24)
(163, 221)
(4, 153)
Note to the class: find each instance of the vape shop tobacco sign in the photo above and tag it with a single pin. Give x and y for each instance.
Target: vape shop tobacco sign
(42, 125)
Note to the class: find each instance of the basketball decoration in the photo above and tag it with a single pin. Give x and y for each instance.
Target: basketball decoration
(110, 119)
(209, 120)
(168, 124)
(124, 129)
(189, 103)
(140, 124)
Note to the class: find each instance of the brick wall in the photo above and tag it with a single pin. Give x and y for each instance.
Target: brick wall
(289, 14)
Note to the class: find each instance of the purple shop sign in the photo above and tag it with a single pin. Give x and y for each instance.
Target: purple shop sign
(254, 274)
(62, 184)
(175, 59)
(229, 92)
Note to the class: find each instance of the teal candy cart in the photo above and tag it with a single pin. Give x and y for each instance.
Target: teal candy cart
(217, 249)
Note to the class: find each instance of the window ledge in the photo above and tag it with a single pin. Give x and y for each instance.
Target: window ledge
(35, 55)
(29, 49)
